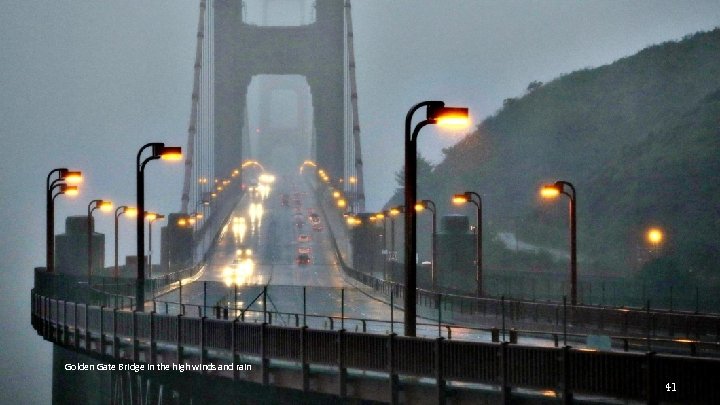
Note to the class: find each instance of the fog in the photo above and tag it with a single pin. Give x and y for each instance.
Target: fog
(84, 84)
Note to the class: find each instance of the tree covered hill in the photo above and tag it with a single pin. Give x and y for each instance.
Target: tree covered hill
(640, 140)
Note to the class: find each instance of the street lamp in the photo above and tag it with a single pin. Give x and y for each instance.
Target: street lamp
(419, 207)
(438, 114)
(130, 212)
(104, 206)
(151, 217)
(352, 220)
(552, 191)
(158, 151)
(65, 178)
(384, 216)
(467, 197)
(655, 237)
(394, 212)
(70, 191)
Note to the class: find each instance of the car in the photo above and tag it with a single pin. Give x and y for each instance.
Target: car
(317, 227)
(285, 200)
(243, 253)
(314, 218)
(303, 259)
(305, 250)
(304, 238)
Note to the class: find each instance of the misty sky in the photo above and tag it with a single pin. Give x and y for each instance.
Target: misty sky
(83, 84)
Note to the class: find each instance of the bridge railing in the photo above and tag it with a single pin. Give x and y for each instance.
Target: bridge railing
(466, 309)
(472, 310)
(330, 308)
(116, 292)
(632, 376)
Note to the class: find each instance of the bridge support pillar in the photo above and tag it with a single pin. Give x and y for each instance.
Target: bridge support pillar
(304, 359)
(88, 337)
(46, 319)
(342, 371)
(651, 384)
(235, 354)
(179, 347)
(66, 327)
(565, 375)
(394, 381)
(504, 375)
(263, 355)
(116, 340)
(57, 320)
(440, 380)
(102, 330)
(77, 331)
(153, 343)
(203, 350)
(135, 342)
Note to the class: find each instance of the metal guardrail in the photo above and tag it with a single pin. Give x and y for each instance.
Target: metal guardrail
(628, 321)
(329, 316)
(622, 320)
(565, 370)
(108, 291)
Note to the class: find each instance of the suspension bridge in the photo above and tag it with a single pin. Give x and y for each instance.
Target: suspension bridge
(270, 289)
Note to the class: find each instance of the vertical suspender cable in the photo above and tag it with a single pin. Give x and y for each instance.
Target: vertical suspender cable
(359, 185)
(193, 111)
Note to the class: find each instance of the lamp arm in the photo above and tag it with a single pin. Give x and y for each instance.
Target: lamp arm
(408, 117)
(47, 182)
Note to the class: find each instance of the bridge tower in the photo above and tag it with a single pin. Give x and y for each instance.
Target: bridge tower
(315, 51)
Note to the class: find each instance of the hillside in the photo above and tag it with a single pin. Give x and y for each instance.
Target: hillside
(640, 140)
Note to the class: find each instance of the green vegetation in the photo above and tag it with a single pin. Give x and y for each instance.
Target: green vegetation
(640, 140)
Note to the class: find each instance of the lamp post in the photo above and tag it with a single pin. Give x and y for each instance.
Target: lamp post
(64, 177)
(437, 113)
(394, 212)
(384, 216)
(106, 206)
(158, 151)
(429, 204)
(151, 217)
(473, 197)
(129, 211)
(552, 191)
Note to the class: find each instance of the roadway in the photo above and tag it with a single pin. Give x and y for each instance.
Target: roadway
(258, 248)
(261, 225)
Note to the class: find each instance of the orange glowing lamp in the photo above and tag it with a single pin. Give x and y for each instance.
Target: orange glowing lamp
(72, 177)
(171, 153)
(105, 205)
(655, 236)
(549, 191)
(460, 199)
(70, 191)
(452, 117)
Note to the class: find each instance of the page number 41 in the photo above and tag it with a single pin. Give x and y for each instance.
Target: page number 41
(670, 387)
